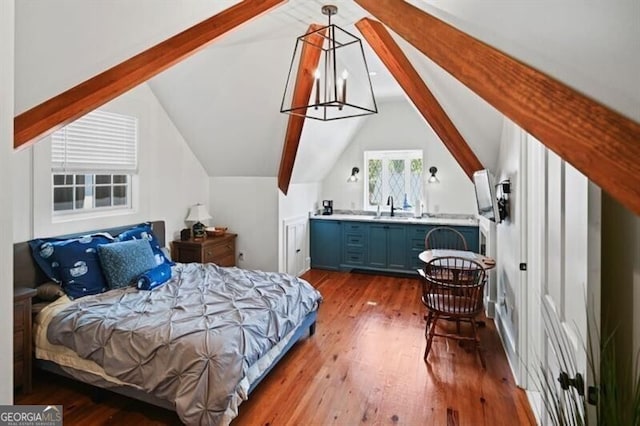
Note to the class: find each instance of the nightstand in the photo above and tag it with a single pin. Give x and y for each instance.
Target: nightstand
(219, 250)
(22, 337)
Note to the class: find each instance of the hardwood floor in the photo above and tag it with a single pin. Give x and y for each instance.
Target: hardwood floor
(363, 366)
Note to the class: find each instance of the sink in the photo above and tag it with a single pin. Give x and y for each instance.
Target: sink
(391, 218)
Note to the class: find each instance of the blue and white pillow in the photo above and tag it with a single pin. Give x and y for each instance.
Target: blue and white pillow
(155, 277)
(123, 262)
(73, 263)
(144, 232)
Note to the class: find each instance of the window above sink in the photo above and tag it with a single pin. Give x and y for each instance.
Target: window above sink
(395, 173)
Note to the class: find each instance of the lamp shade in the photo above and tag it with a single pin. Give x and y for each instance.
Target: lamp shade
(198, 213)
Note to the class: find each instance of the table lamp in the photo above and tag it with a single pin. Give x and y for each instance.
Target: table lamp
(198, 213)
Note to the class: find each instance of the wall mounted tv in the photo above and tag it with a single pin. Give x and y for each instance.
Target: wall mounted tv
(486, 195)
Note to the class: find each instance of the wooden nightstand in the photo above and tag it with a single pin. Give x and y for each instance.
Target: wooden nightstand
(219, 250)
(22, 337)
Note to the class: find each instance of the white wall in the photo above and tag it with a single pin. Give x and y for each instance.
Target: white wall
(301, 199)
(169, 181)
(508, 245)
(248, 206)
(399, 126)
(585, 44)
(6, 240)
(621, 277)
(74, 40)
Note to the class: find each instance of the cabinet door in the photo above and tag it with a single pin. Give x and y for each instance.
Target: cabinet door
(471, 235)
(396, 247)
(377, 253)
(325, 244)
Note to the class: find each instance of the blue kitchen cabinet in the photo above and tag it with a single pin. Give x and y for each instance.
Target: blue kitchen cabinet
(472, 235)
(372, 245)
(354, 244)
(377, 257)
(326, 244)
(415, 244)
(387, 247)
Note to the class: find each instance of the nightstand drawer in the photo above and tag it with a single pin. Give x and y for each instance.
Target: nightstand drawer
(22, 337)
(18, 372)
(19, 311)
(227, 261)
(218, 251)
(18, 347)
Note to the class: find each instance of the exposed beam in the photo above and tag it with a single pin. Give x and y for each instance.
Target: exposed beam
(405, 74)
(100, 89)
(309, 59)
(601, 143)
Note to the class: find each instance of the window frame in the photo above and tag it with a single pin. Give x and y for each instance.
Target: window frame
(385, 156)
(115, 135)
(91, 194)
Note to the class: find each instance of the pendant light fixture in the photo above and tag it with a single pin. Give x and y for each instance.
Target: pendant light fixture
(328, 61)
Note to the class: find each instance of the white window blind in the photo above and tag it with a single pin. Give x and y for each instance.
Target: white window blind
(98, 142)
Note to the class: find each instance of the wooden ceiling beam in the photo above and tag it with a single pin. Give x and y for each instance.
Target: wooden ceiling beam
(72, 104)
(601, 143)
(309, 60)
(405, 74)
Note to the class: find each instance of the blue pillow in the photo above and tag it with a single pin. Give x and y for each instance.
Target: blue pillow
(123, 262)
(154, 277)
(42, 250)
(72, 262)
(144, 232)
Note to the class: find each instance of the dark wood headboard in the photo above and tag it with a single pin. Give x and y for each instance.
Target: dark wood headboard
(26, 273)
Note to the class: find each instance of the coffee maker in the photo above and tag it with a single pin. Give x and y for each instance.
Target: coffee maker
(327, 207)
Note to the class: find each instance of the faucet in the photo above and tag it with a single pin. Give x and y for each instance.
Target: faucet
(390, 203)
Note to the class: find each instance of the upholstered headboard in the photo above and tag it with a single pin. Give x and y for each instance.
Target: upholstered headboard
(27, 274)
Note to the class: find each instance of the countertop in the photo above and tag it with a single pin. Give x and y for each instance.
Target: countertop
(443, 219)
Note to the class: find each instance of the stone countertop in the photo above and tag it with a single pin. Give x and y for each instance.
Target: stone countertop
(444, 219)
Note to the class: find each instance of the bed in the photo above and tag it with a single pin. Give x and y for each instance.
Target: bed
(198, 344)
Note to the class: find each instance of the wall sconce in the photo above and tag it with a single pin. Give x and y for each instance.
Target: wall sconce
(433, 178)
(503, 198)
(354, 175)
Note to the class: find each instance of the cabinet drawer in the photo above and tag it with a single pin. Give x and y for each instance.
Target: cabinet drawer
(188, 255)
(226, 261)
(418, 232)
(18, 339)
(354, 257)
(18, 373)
(355, 239)
(353, 227)
(19, 310)
(417, 244)
(212, 253)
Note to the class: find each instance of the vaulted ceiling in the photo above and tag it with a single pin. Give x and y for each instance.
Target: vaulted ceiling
(225, 99)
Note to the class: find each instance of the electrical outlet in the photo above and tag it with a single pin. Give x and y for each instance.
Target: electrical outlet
(241, 255)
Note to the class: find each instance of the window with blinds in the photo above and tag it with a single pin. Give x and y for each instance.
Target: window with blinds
(93, 160)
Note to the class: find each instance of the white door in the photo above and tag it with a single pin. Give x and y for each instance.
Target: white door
(295, 234)
(564, 210)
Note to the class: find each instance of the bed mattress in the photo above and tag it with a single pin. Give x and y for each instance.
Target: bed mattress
(199, 341)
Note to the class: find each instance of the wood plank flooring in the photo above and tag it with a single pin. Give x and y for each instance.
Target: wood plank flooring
(363, 366)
